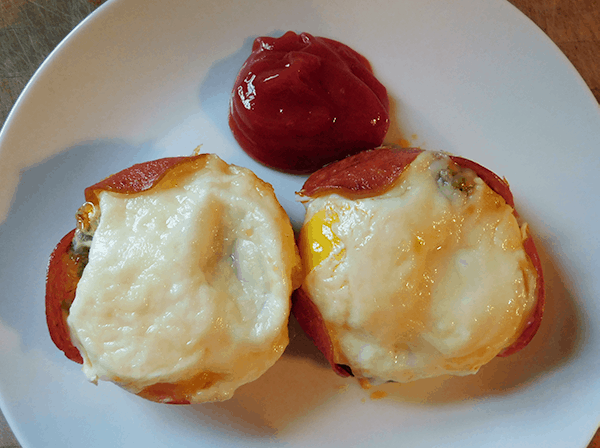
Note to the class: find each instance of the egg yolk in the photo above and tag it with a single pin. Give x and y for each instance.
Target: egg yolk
(318, 240)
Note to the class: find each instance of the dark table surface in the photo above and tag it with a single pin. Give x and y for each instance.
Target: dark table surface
(31, 29)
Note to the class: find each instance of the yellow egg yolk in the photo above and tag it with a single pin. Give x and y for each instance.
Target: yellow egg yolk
(318, 240)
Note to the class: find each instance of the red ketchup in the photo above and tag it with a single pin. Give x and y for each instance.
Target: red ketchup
(301, 102)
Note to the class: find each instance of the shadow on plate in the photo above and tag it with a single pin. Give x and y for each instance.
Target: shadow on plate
(42, 212)
(296, 386)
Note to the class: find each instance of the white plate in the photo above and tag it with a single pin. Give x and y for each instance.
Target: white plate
(140, 80)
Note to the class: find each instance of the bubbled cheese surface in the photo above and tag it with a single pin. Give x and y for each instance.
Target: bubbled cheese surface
(187, 287)
(420, 281)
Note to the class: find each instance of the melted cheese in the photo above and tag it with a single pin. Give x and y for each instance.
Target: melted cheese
(423, 280)
(187, 288)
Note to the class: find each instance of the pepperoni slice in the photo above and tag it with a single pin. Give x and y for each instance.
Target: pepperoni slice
(61, 282)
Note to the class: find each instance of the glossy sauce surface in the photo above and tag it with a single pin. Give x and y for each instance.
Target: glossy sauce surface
(300, 102)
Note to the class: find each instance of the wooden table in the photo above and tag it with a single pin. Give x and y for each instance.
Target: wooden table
(30, 29)
(573, 25)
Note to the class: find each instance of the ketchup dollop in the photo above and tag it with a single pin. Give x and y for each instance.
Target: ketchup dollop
(301, 102)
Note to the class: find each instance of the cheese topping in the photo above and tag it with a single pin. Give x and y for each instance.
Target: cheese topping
(187, 287)
(429, 278)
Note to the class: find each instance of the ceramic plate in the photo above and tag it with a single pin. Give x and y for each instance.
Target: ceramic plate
(140, 80)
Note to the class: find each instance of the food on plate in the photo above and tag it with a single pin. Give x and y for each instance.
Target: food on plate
(176, 283)
(416, 266)
(300, 102)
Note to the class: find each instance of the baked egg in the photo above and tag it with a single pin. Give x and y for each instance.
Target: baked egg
(415, 266)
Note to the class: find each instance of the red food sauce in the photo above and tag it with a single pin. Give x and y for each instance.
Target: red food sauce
(300, 102)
